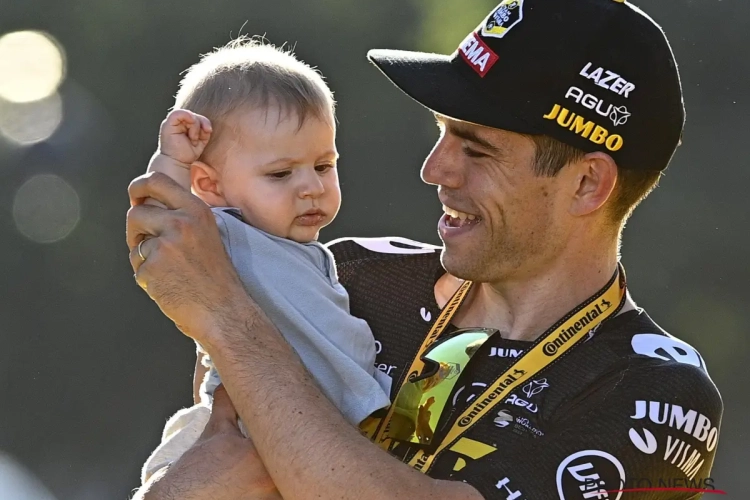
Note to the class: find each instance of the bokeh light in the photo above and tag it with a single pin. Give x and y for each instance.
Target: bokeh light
(32, 66)
(30, 122)
(46, 209)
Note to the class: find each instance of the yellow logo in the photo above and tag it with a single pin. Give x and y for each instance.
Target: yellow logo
(471, 450)
(503, 18)
(585, 128)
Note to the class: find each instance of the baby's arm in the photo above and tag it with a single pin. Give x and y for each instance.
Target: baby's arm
(182, 138)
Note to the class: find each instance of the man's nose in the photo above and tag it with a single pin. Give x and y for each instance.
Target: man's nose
(441, 167)
(311, 185)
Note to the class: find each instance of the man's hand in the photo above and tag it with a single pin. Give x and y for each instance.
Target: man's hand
(222, 465)
(186, 269)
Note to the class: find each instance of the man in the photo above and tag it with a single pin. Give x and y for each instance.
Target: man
(525, 370)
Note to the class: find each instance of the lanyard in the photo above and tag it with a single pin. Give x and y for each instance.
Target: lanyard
(377, 430)
(558, 340)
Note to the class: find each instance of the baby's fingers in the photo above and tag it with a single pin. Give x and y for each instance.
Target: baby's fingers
(206, 128)
(194, 132)
(205, 123)
(178, 117)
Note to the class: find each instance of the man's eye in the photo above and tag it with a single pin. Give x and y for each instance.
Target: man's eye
(473, 153)
(280, 175)
(323, 168)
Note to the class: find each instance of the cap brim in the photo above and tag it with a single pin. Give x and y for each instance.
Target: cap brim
(433, 81)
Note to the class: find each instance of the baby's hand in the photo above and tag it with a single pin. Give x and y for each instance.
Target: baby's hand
(184, 135)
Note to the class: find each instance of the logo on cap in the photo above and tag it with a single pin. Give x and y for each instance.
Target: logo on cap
(477, 54)
(618, 114)
(586, 129)
(503, 18)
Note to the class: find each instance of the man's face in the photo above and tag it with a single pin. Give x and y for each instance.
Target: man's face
(510, 221)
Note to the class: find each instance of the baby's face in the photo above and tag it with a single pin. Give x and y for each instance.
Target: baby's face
(283, 179)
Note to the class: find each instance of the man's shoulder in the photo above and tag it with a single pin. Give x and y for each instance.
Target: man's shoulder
(632, 358)
(388, 247)
(662, 365)
(645, 343)
(374, 259)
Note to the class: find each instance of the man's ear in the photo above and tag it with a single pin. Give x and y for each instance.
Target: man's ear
(204, 183)
(596, 177)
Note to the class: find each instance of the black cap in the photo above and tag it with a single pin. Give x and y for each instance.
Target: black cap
(598, 75)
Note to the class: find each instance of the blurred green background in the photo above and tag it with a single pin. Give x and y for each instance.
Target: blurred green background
(89, 368)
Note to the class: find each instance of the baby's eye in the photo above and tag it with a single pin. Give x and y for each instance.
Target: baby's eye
(280, 175)
(323, 168)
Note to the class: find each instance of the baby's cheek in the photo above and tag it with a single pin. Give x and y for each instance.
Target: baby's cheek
(255, 216)
(268, 218)
(333, 193)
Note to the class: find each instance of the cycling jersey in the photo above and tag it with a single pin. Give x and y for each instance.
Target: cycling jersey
(631, 408)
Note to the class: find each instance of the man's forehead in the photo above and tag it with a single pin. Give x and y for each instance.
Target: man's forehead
(492, 138)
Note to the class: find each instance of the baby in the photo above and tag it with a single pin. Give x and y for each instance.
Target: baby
(253, 135)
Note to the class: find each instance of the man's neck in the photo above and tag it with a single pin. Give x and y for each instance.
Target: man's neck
(524, 308)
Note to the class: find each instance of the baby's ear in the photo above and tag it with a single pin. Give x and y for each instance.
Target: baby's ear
(204, 184)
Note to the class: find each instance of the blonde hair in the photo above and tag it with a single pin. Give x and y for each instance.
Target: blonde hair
(250, 73)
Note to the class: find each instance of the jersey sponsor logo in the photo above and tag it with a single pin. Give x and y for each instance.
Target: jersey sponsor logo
(510, 493)
(503, 419)
(383, 367)
(516, 401)
(596, 309)
(666, 348)
(535, 387)
(426, 315)
(683, 456)
(392, 245)
(691, 422)
(477, 54)
(608, 80)
(521, 425)
(466, 395)
(500, 352)
(590, 474)
(618, 114)
(677, 452)
(508, 14)
(592, 333)
(646, 443)
(585, 128)
(524, 425)
(469, 449)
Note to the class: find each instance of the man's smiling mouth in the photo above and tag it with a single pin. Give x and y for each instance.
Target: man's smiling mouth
(456, 218)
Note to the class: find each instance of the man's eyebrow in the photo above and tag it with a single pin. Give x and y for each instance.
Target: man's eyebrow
(467, 134)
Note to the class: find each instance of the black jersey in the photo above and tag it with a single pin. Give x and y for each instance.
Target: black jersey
(631, 408)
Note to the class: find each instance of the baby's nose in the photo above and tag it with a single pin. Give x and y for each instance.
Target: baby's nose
(312, 187)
